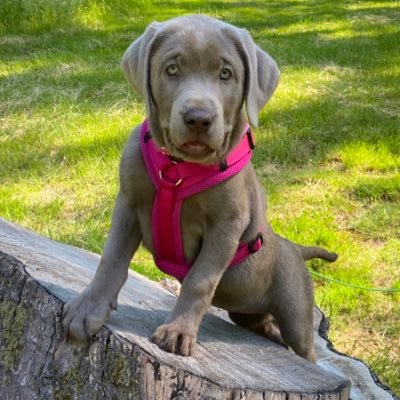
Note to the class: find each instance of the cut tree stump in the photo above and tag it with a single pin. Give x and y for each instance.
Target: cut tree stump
(38, 275)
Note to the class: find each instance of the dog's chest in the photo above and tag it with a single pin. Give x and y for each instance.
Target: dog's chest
(193, 222)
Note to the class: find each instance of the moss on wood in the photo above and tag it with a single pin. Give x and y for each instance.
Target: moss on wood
(13, 319)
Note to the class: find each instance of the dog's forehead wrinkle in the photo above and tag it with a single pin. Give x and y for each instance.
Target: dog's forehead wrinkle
(199, 52)
(200, 30)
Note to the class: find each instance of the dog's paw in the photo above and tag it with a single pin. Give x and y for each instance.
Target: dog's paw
(85, 315)
(170, 338)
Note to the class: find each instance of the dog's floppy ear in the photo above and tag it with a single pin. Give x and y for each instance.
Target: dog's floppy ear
(135, 62)
(262, 76)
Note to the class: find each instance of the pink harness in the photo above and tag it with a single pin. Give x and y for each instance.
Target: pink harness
(174, 182)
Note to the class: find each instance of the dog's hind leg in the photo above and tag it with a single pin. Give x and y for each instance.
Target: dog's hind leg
(263, 324)
(295, 320)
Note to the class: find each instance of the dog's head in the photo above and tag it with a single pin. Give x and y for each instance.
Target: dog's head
(195, 74)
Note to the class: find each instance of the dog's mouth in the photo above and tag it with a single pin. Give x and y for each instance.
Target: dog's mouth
(192, 150)
(195, 148)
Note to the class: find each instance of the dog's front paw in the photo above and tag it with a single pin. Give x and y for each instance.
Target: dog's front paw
(172, 339)
(85, 315)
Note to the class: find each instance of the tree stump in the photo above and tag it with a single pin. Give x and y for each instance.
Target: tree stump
(38, 275)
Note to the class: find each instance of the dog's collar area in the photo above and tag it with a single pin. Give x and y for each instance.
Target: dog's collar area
(223, 165)
(174, 181)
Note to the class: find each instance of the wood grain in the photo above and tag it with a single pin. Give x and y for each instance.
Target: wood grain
(38, 275)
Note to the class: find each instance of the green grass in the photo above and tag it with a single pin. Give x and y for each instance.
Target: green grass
(328, 148)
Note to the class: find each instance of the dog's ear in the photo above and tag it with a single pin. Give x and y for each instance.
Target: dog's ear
(262, 76)
(135, 62)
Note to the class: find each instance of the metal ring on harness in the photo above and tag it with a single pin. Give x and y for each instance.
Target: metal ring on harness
(177, 183)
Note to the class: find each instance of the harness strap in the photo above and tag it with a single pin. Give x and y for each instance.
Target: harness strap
(174, 182)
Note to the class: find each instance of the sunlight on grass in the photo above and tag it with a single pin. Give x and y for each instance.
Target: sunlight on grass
(366, 156)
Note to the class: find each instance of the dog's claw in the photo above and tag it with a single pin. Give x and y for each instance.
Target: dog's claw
(172, 339)
(84, 316)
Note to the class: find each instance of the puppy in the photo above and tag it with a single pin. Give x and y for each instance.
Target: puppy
(199, 78)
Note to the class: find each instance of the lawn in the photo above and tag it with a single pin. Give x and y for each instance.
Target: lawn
(328, 149)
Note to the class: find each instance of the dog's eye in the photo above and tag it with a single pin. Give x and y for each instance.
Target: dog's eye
(225, 74)
(172, 70)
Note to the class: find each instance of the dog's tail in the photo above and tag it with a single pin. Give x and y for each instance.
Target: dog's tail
(310, 252)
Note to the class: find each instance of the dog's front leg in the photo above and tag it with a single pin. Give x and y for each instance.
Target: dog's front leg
(178, 335)
(85, 315)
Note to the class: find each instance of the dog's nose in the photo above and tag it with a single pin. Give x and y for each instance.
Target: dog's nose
(198, 119)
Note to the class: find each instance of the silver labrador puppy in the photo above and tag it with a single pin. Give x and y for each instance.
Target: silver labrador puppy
(197, 75)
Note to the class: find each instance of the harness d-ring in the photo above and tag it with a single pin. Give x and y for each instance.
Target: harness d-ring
(177, 183)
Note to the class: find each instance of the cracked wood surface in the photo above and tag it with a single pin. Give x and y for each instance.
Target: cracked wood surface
(38, 275)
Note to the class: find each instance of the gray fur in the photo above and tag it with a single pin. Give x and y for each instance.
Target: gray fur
(271, 292)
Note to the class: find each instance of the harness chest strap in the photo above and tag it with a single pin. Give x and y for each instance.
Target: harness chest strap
(176, 181)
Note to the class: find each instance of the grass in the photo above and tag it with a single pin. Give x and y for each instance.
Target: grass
(328, 144)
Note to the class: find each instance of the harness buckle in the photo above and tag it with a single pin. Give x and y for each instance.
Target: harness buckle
(256, 243)
(250, 139)
(223, 166)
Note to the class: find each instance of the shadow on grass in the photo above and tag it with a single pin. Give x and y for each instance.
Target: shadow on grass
(79, 67)
(44, 160)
